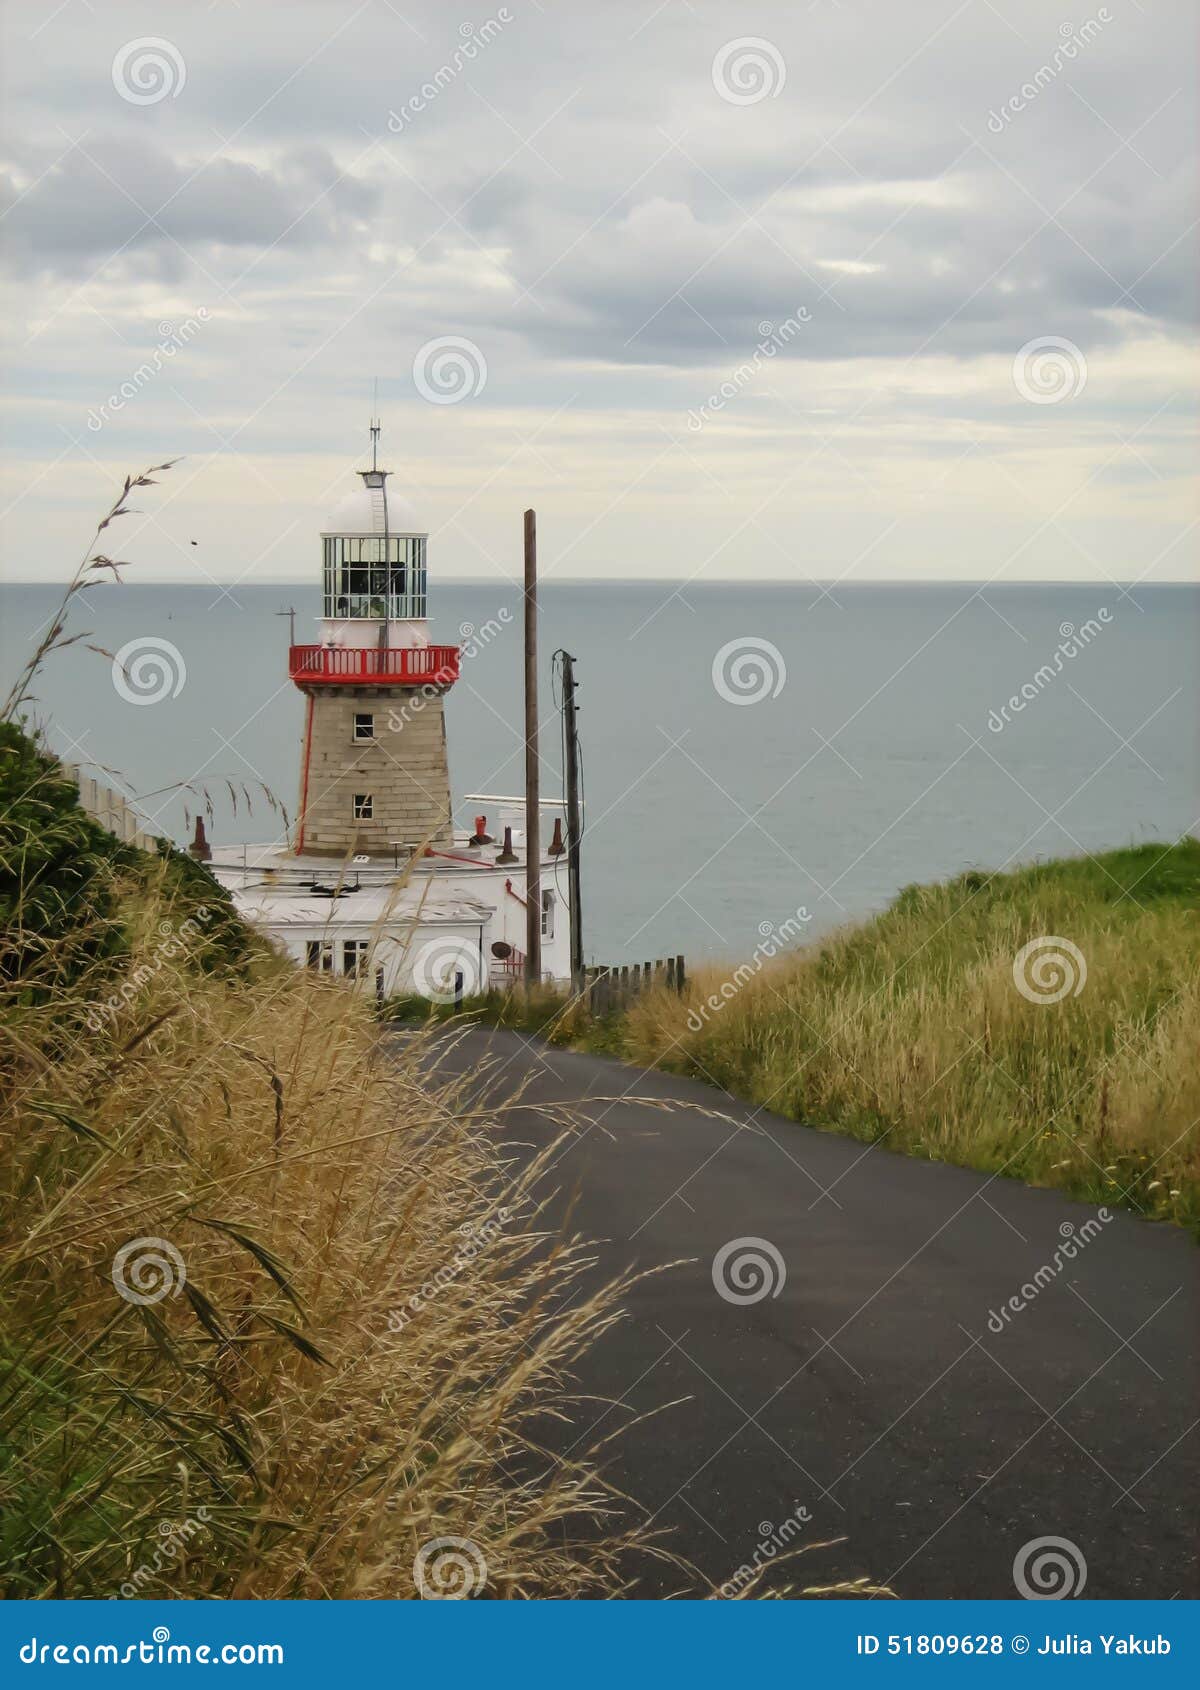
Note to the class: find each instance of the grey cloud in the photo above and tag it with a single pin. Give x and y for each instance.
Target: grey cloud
(112, 195)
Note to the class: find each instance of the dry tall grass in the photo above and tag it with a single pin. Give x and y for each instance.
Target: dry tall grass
(368, 1330)
(910, 1030)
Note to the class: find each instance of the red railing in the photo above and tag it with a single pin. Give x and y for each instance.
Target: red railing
(407, 666)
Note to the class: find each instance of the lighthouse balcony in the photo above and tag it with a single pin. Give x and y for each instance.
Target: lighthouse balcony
(397, 666)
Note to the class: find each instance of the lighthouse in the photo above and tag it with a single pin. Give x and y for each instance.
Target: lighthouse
(375, 887)
(374, 774)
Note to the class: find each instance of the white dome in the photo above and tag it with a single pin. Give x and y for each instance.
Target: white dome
(376, 509)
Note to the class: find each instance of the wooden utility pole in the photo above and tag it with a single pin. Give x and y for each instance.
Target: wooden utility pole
(574, 824)
(533, 851)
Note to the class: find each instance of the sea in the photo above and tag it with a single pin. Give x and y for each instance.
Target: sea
(759, 759)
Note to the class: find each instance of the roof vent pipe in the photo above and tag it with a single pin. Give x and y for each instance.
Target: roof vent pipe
(200, 848)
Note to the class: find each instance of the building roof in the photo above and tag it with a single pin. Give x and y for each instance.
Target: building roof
(372, 507)
(371, 907)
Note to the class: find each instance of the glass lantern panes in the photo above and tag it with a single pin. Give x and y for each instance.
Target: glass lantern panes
(373, 575)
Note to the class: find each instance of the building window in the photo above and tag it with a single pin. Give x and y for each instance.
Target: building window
(364, 806)
(354, 957)
(318, 953)
(364, 725)
(547, 915)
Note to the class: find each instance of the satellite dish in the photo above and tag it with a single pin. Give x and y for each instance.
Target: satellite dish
(500, 950)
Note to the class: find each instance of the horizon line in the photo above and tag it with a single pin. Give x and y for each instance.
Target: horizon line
(549, 577)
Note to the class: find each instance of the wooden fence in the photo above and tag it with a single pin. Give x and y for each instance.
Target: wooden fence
(612, 985)
(111, 810)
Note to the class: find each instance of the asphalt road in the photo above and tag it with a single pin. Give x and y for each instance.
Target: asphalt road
(870, 1390)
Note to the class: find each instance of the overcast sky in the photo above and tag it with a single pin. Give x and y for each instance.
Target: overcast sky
(862, 290)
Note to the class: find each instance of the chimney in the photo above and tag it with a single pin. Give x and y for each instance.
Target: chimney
(482, 836)
(508, 855)
(200, 848)
(556, 844)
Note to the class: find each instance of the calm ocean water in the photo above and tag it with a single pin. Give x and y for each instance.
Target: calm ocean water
(870, 762)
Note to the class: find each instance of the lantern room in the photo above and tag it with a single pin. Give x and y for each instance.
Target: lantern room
(373, 593)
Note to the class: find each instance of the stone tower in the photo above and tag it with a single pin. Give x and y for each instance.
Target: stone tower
(374, 776)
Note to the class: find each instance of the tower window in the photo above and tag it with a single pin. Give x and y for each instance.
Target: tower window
(364, 725)
(364, 806)
(354, 957)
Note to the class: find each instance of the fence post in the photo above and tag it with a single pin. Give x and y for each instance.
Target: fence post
(679, 979)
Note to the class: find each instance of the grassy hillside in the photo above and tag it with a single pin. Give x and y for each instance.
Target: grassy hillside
(274, 1316)
(922, 1030)
(912, 1030)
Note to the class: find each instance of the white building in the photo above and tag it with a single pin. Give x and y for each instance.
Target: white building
(377, 883)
